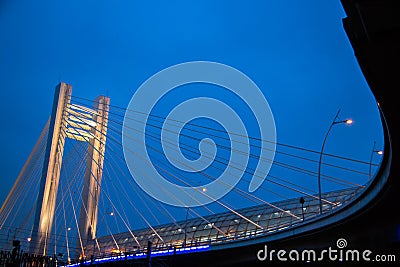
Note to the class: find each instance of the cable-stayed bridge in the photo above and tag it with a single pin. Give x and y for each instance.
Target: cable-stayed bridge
(75, 199)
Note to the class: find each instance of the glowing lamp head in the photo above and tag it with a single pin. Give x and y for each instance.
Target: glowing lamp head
(379, 152)
(29, 239)
(348, 121)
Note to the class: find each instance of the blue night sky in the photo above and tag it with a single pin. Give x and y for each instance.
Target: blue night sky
(295, 51)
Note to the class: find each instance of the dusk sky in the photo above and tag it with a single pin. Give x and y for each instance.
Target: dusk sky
(297, 52)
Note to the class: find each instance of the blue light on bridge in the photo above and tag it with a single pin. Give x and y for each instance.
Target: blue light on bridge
(141, 255)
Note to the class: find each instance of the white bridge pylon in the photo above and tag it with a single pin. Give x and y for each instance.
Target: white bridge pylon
(83, 124)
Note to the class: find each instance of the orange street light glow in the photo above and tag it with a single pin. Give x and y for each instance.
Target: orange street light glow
(349, 121)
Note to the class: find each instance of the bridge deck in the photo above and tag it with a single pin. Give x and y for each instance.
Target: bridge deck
(223, 227)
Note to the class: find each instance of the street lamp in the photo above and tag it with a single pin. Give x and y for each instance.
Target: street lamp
(302, 206)
(379, 152)
(187, 216)
(186, 220)
(334, 122)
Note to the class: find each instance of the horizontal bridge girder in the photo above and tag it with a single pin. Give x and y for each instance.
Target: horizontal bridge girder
(82, 108)
(79, 134)
(79, 114)
(81, 126)
(78, 119)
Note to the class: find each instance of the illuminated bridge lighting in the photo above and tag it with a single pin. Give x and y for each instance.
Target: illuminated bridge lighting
(141, 255)
(199, 232)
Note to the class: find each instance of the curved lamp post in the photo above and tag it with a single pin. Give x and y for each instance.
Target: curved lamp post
(334, 122)
(379, 152)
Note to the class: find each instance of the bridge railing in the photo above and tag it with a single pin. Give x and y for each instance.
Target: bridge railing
(225, 227)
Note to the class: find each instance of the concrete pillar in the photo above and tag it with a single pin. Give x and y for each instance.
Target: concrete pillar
(46, 201)
(94, 171)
